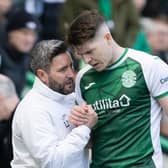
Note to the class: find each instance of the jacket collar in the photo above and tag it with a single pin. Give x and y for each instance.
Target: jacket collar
(44, 90)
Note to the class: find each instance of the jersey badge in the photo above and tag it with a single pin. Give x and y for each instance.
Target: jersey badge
(128, 79)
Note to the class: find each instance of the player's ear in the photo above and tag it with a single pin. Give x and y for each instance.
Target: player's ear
(108, 37)
(43, 76)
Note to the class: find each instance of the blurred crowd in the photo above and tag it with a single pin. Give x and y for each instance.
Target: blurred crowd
(138, 24)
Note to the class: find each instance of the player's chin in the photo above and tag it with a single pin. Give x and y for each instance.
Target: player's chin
(99, 67)
(69, 88)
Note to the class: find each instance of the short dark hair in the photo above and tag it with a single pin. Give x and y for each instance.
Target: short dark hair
(84, 27)
(43, 53)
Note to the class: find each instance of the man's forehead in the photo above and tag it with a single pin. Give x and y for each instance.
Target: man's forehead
(80, 50)
(79, 47)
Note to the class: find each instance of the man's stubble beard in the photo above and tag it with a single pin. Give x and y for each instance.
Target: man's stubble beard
(55, 86)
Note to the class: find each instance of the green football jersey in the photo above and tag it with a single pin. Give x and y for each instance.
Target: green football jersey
(124, 96)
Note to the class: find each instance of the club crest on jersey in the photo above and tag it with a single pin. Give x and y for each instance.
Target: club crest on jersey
(128, 79)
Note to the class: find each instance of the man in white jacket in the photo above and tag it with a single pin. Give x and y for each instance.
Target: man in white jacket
(42, 134)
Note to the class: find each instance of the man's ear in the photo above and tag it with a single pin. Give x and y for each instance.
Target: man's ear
(43, 76)
(108, 38)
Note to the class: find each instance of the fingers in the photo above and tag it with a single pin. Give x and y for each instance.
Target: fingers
(92, 117)
(78, 115)
(79, 111)
(83, 114)
(90, 109)
(78, 119)
(77, 122)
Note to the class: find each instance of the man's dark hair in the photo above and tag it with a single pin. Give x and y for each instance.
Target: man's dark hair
(44, 52)
(84, 27)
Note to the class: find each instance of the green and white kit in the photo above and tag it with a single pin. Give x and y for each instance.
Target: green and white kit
(124, 96)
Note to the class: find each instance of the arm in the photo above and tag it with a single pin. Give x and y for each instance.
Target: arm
(83, 115)
(4, 115)
(44, 144)
(164, 104)
(156, 75)
(7, 106)
(164, 121)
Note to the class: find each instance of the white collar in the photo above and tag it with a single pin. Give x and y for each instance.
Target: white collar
(43, 89)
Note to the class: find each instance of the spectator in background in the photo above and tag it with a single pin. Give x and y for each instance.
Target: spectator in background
(154, 8)
(157, 36)
(139, 5)
(50, 19)
(71, 9)
(48, 12)
(8, 103)
(5, 7)
(42, 135)
(141, 42)
(125, 21)
(162, 22)
(22, 32)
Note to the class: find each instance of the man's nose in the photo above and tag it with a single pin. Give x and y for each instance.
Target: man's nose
(71, 73)
(86, 58)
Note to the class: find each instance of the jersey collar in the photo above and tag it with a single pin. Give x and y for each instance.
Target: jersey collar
(120, 60)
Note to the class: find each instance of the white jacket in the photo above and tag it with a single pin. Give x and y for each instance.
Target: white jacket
(42, 136)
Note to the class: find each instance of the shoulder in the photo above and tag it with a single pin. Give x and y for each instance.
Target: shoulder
(32, 107)
(31, 102)
(151, 65)
(83, 71)
(142, 57)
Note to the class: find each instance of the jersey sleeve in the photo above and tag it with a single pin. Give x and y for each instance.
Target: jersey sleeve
(157, 78)
(79, 98)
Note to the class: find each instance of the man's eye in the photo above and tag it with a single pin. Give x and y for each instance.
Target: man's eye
(88, 52)
(62, 69)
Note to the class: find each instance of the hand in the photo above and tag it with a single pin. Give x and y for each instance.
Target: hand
(83, 115)
(4, 115)
(7, 106)
(92, 117)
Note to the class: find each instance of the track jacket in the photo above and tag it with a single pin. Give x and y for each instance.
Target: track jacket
(42, 136)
